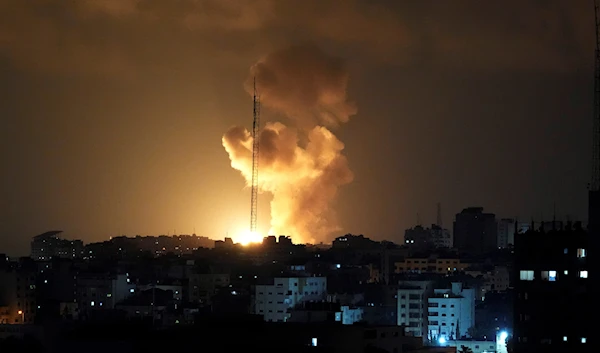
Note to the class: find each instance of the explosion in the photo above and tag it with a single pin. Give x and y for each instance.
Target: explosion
(301, 165)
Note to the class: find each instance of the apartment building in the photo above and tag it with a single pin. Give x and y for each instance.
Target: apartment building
(273, 301)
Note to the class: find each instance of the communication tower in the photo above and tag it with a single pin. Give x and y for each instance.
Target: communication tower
(255, 148)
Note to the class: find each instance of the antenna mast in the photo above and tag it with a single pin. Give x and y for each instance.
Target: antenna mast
(255, 138)
(595, 182)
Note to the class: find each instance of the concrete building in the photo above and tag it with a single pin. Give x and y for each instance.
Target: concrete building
(203, 286)
(273, 301)
(325, 312)
(48, 245)
(474, 346)
(431, 264)
(413, 298)
(420, 238)
(17, 295)
(102, 291)
(555, 292)
(506, 233)
(451, 313)
(475, 232)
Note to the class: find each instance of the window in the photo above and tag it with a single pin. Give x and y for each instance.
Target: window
(583, 274)
(549, 276)
(566, 272)
(583, 340)
(526, 275)
(581, 253)
(564, 338)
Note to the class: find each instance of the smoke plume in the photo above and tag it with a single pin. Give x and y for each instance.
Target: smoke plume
(301, 165)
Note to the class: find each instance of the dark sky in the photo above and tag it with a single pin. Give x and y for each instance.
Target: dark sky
(112, 111)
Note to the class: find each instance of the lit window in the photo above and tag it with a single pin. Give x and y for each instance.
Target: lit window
(564, 338)
(526, 275)
(549, 276)
(92, 303)
(583, 274)
(131, 290)
(566, 272)
(566, 251)
(581, 253)
(583, 340)
(314, 342)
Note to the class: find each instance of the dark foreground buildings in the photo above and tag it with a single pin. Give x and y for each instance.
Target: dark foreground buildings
(554, 307)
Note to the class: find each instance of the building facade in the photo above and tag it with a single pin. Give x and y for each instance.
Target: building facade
(475, 232)
(451, 313)
(555, 292)
(47, 246)
(273, 301)
(413, 298)
(506, 233)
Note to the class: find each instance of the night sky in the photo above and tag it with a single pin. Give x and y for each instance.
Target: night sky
(112, 112)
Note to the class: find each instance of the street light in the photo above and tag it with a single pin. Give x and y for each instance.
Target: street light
(20, 312)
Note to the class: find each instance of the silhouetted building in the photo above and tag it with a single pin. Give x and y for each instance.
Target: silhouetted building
(48, 245)
(506, 233)
(17, 294)
(475, 232)
(555, 298)
(420, 238)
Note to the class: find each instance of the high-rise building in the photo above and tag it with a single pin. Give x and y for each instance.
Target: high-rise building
(506, 233)
(273, 301)
(47, 246)
(554, 292)
(475, 232)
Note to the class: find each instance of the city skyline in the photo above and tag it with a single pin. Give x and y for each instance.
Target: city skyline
(132, 144)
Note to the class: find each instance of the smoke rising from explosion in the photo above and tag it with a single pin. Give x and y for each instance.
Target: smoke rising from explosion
(301, 165)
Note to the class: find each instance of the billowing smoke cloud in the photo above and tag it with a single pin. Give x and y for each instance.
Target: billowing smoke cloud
(301, 165)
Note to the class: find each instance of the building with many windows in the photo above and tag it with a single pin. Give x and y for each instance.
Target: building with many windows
(451, 313)
(47, 246)
(554, 292)
(273, 301)
(413, 299)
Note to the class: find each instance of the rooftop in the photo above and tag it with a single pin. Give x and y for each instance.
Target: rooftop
(48, 235)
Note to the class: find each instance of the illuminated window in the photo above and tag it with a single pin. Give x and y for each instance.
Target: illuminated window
(549, 276)
(566, 272)
(92, 303)
(526, 275)
(583, 274)
(564, 338)
(314, 342)
(581, 253)
(583, 340)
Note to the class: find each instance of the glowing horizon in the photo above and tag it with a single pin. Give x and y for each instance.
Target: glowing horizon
(247, 237)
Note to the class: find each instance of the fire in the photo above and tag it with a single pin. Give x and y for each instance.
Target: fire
(247, 237)
(302, 164)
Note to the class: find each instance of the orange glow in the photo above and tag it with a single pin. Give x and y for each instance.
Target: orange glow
(247, 237)
(20, 312)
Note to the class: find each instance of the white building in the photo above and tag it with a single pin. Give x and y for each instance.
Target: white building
(350, 316)
(451, 313)
(475, 346)
(273, 301)
(412, 306)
